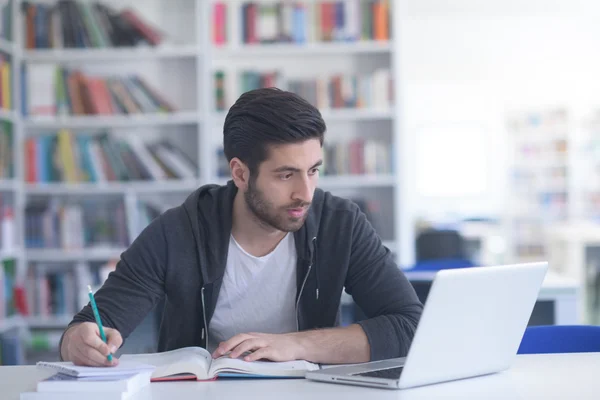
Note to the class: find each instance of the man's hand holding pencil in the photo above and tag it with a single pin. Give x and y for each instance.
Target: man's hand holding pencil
(89, 343)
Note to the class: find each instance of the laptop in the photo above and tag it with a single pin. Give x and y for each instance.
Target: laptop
(472, 325)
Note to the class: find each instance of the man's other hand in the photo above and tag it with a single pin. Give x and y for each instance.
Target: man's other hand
(274, 347)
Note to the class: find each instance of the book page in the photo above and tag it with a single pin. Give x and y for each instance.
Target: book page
(191, 360)
(296, 368)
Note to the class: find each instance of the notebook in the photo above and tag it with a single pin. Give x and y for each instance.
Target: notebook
(82, 395)
(104, 383)
(68, 368)
(197, 363)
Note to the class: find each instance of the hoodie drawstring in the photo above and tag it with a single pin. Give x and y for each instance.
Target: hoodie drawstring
(314, 263)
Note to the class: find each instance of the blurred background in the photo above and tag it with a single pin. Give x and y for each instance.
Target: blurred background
(467, 131)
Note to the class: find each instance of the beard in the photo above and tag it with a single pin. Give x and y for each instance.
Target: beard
(269, 214)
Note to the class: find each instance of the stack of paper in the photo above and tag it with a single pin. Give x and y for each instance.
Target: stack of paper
(90, 383)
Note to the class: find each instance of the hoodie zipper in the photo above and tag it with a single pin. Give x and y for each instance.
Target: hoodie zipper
(304, 283)
(205, 329)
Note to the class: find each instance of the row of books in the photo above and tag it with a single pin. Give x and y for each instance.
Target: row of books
(82, 24)
(5, 83)
(302, 21)
(58, 224)
(70, 157)
(374, 90)
(357, 157)
(58, 289)
(6, 150)
(60, 91)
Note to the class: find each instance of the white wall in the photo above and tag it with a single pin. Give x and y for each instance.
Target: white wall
(465, 65)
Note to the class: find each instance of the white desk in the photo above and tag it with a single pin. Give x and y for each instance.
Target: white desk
(547, 376)
(562, 291)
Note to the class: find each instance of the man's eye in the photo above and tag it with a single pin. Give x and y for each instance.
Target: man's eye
(286, 177)
(314, 171)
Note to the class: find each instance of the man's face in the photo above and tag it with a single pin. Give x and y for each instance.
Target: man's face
(282, 192)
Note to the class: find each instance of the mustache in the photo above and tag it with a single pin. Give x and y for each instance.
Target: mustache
(297, 205)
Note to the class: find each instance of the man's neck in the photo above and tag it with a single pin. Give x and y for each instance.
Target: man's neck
(253, 235)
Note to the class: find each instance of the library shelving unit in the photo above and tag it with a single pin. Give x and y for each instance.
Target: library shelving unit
(540, 176)
(204, 38)
(11, 254)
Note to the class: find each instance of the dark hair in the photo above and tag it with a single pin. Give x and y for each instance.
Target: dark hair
(268, 116)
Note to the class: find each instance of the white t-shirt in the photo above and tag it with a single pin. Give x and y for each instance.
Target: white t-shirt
(257, 293)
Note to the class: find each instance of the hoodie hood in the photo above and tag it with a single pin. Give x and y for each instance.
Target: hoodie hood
(212, 205)
(209, 210)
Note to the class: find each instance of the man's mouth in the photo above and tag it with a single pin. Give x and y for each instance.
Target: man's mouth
(296, 212)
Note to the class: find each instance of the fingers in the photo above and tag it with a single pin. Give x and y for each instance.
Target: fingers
(114, 339)
(90, 348)
(92, 339)
(230, 344)
(264, 352)
(88, 356)
(247, 345)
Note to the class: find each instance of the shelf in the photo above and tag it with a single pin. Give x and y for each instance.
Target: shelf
(7, 185)
(337, 115)
(7, 115)
(10, 254)
(50, 322)
(108, 121)
(328, 182)
(12, 322)
(110, 54)
(62, 255)
(112, 187)
(6, 46)
(284, 49)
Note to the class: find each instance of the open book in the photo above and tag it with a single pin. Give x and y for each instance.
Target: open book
(197, 363)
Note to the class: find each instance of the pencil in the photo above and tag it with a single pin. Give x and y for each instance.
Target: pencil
(98, 321)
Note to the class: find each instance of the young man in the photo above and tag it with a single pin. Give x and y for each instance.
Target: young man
(258, 265)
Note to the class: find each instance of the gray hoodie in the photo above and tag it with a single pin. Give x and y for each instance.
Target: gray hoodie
(181, 257)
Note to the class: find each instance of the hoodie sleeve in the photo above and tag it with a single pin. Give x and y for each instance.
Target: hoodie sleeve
(135, 286)
(383, 293)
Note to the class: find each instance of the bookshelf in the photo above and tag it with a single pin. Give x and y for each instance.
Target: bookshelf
(363, 48)
(541, 178)
(113, 54)
(117, 121)
(182, 69)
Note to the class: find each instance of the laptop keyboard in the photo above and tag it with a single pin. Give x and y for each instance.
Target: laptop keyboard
(389, 373)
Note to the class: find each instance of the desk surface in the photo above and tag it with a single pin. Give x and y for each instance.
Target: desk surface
(546, 376)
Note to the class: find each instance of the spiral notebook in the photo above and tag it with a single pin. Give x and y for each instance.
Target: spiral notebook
(68, 368)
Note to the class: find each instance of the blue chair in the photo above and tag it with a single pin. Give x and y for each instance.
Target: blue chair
(560, 339)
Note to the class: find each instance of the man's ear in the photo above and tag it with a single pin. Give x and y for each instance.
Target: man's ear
(240, 173)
